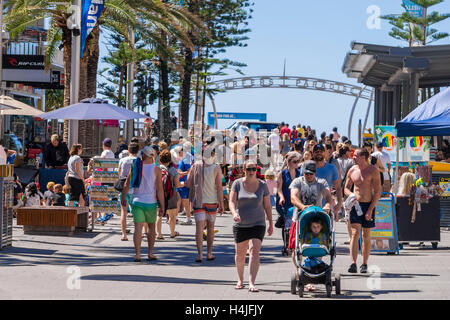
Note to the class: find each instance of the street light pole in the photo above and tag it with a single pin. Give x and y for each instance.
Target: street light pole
(1, 46)
(75, 70)
(129, 124)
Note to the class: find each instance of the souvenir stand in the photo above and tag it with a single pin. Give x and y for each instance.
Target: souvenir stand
(6, 202)
(103, 197)
(419, 213)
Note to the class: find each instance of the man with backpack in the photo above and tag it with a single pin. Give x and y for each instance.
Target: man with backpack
(170, 181)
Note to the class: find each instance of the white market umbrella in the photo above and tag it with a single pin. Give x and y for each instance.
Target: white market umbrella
(93, 109)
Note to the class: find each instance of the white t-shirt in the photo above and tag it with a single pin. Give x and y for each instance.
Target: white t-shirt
(274, 140)
(125, 166)
(108, 154)
(384, 157)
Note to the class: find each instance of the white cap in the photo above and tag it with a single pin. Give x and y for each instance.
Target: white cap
(148, 151)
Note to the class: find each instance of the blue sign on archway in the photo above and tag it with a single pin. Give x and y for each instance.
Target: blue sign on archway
(236, 116)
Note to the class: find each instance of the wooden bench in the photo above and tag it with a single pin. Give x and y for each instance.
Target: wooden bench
(53, 220)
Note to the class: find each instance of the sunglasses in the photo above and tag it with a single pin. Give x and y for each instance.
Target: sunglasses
(251, 169)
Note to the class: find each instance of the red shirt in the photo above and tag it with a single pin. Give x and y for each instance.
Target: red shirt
(285, 130)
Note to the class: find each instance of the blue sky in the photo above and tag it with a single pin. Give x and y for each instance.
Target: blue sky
(313, 37)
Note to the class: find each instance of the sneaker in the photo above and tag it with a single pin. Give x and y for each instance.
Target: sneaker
(182, 213)
(187, 223)
(363, 268)
(353, 268)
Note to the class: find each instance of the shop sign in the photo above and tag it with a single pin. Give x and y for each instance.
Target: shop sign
(18, 61)
(411, 149)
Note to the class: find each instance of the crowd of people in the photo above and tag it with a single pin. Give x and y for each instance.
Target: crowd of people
(198, 178)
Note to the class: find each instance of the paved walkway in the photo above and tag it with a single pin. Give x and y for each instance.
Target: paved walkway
(37, 267)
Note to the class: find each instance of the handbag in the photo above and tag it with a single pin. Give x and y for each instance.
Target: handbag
(120, 184)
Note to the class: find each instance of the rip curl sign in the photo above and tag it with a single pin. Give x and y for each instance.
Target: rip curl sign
(90, 13)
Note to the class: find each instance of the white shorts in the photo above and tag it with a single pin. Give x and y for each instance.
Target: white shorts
(202, 216)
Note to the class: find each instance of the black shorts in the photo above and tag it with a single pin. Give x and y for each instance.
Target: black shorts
(76, 189)
(242, 234)
(354, 218)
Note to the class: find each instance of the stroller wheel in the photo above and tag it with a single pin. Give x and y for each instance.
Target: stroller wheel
(300, 290)
(328, 287)
(337, 284)
(293, 284)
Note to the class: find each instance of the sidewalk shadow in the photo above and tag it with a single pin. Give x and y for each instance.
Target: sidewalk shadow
(361, 294)
(154, 279)
(114, 256)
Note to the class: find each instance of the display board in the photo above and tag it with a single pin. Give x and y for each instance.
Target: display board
(103, 197)
(384, 237)
(411, 149)
(444, 183)
(6, 212)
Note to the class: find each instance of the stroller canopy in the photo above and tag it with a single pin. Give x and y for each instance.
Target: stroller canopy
(308, 214)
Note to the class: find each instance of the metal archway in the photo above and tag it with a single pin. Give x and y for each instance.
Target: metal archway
(292, 82)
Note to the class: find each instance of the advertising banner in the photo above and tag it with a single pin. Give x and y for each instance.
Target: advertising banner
(384, 236)
(412, 149)
(90, 13)
(22, 61)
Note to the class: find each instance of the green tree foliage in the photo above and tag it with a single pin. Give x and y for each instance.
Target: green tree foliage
(409, 28)
(227, 26)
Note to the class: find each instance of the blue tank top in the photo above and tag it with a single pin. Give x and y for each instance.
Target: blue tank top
(286, 183)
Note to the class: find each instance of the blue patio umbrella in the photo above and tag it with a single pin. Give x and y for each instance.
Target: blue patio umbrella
(92, 109)
(431, 118)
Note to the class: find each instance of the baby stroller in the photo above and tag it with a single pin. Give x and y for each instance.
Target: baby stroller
(314, 270)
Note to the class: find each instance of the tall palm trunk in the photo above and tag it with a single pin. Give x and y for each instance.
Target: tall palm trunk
(164, 105)
(92, 129)
(88, 89)
(67, 58)
(186, 90)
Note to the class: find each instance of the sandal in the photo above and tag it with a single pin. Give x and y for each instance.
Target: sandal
(160, 238)
(175, 235)
(137, 260)
(153, 258)
(210, 258)
(253, 289)
(239, 287)
(124, 239)
(198, 260)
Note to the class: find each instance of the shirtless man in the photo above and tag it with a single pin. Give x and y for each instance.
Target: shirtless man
(367, 190)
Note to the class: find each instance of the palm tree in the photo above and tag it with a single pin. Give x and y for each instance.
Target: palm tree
(117, 14)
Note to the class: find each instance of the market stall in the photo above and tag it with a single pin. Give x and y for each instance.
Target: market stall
(102, 195)
(419, 207)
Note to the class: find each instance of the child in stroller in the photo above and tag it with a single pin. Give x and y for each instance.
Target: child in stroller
(313, 238)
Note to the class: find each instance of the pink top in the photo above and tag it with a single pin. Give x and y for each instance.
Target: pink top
(271, 184)
(336, 136)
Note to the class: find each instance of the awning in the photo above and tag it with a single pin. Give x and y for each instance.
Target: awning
(431, 118)
(21, 109)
